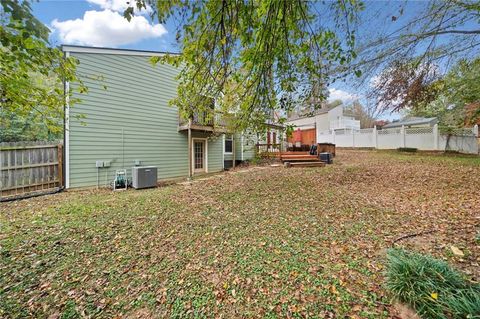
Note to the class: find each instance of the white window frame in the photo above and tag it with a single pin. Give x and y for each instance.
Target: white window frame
(205, 155)
(224, 141)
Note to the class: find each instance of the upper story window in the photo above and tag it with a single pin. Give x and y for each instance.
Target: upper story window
(228, 148)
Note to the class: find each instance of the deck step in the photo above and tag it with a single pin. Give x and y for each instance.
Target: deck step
(297, 155)
(305, 164)
(299, 158)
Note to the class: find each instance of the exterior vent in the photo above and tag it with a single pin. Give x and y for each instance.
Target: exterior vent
(144, 176)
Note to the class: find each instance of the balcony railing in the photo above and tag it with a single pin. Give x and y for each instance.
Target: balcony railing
(205, 120)
(345, 123)
(268, 148)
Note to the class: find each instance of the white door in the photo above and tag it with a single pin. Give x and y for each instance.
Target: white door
(198, 156)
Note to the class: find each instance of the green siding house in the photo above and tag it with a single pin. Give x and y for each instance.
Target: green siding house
(125, 120)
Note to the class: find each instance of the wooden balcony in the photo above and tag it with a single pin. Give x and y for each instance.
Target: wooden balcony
(205, 121)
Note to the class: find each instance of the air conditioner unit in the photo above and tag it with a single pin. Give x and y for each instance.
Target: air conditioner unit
(144, 176)
(326, 157)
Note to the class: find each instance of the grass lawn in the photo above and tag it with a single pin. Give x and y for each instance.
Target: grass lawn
(270, 243)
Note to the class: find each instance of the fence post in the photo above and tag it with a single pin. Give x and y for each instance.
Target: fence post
(435, 137)
(375, 140)
(353, 138)
(333, 134)
(402, 133)
(475, 130)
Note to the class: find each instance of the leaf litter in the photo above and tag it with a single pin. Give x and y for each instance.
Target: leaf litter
(275, 242)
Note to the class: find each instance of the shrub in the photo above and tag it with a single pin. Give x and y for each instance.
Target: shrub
(407, 149)
(431, 286)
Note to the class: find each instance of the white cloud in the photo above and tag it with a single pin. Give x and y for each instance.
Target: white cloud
(118, 5)
(344, 96)
(106, 28)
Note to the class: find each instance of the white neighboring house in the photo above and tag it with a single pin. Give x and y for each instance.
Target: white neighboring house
(324, 120)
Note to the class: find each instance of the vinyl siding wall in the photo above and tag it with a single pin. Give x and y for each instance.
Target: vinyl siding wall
(238, 147)
(249, 141)
(215, 150)
(127, 118)
(248, 147)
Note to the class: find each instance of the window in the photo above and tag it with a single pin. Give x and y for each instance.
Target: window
(228, 144)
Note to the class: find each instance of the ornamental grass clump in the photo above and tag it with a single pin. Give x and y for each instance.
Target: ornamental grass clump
(431, 286)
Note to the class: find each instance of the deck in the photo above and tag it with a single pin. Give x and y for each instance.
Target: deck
(204, 122)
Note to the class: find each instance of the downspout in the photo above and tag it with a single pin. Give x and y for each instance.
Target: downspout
(123, 148)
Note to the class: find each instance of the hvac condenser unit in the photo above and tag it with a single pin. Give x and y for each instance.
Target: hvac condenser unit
(144, 176)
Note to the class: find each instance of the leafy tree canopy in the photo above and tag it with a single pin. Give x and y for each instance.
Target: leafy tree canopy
(458, 95)
(32, 73)
(439, 32)
(405, 85)
(260, 56)
(361, 113)
(421, 90)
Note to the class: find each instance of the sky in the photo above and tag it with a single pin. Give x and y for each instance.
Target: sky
(100, 23)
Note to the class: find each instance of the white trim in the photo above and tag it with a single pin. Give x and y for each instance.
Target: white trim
(223, 154)
(224, 139)
(205, 155)
(241, 147)
(67, 131)
(81, 49)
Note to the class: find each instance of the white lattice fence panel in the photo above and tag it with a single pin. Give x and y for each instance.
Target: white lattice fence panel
(461, 132)
(390, 131)
(419, 130)
(365, 131)
(422, 138)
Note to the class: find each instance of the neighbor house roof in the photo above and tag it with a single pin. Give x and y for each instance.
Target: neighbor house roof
(412, 121)
(320, 111)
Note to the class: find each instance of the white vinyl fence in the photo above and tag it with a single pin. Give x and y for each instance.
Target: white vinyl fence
(464, 140)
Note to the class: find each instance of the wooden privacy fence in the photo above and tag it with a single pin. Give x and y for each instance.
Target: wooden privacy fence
(29, 168)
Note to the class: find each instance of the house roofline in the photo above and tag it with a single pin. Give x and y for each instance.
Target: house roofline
(401, 123)
(278, 126)
(114, 51)
(319, 112)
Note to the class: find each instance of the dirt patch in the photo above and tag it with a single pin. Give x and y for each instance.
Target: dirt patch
(405, 312)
